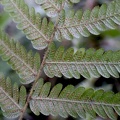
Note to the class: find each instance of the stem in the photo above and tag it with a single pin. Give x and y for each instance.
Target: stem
(40, 71)
(33, 86)
(38, 76)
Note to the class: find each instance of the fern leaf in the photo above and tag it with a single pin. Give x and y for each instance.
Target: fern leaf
(89, 63)
(53, 7)
(37, 30)
(83, 23)
(75, 1)
(74, 101)
(24, 63)
(11, 98)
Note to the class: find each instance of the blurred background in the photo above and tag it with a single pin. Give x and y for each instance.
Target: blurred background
(109, 40)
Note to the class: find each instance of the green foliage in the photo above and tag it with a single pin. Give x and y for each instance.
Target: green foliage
(74, 101)
(83, 23)
(3, 18)
(12, 100)
(53, 7)
(37, 30)
(89, 63)
(25, 64)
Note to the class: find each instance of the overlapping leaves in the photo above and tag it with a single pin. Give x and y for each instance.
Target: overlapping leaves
(89, 63)
(12, 100)
(53, 7)
(74, 102)
(25, 64)
(37, 30)
(83, 23)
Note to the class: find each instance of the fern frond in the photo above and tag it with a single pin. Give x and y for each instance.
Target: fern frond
(53, 7)
(83, 23)
(74, 102)
(37, 30)
(12, 100)
(74, 1)
(24, 63)
(89, 63)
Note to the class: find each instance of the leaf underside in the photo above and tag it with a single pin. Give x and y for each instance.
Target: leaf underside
(83, 23)
(74, 102)
(89, 63)
(53, 7)
(37, 30)
(25, 64)
(12, 100)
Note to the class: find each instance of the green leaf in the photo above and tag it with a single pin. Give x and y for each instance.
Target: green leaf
(25, 64)
(89, 63)
(10, 101)
(83, 23)
(75, 102)
(53, 7)
(37, 30)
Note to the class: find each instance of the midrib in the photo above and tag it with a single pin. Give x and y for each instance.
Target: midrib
(22, 61)
(19, 11)
(90, 102)
(84, 63)
(6, 94)
(87, 23)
